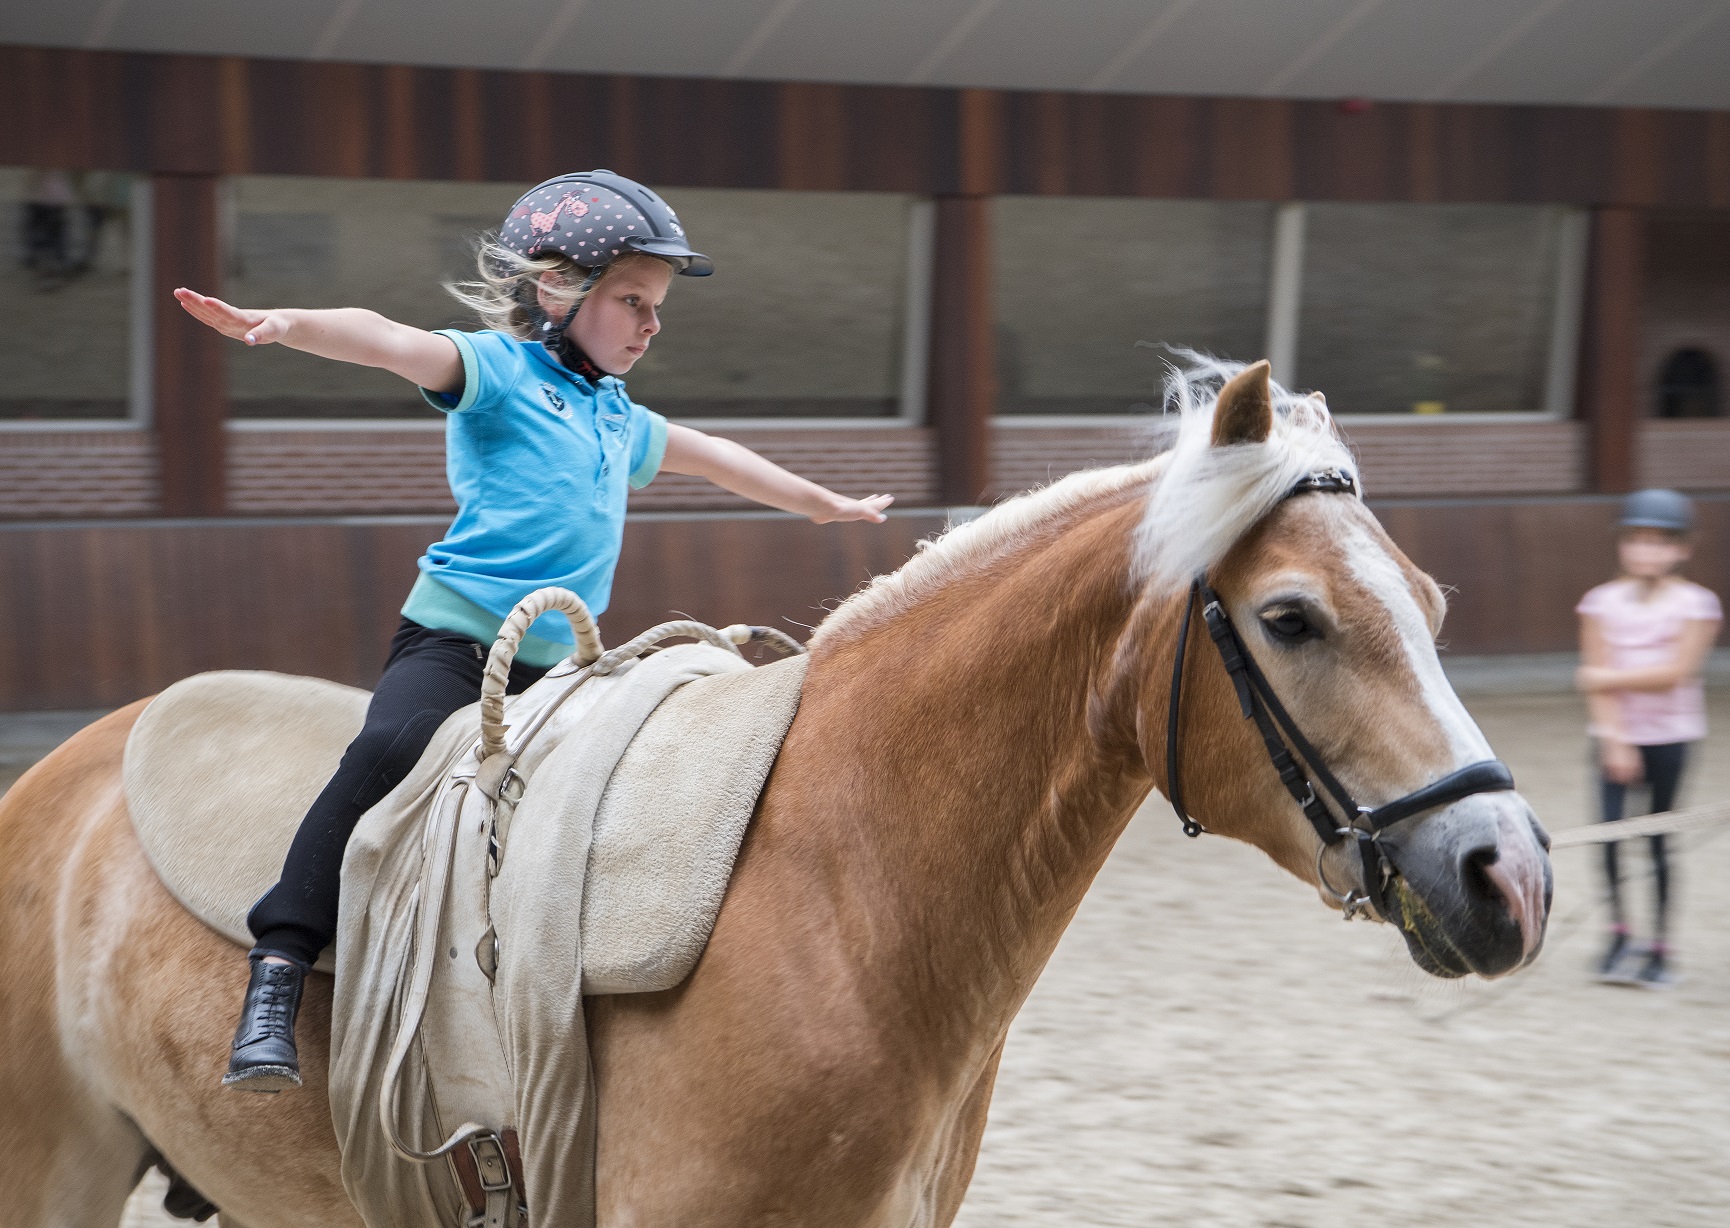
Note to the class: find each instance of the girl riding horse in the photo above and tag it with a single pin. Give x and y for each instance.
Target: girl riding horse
(541, 444)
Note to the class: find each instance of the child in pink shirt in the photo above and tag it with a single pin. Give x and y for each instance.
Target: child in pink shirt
(1643, 643)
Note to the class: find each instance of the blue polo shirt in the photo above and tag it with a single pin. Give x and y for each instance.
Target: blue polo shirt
(540, 461)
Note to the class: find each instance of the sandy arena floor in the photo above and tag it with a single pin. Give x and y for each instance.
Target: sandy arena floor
(1210, 1047)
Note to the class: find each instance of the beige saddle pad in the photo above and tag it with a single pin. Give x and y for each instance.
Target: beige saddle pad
(220, 768)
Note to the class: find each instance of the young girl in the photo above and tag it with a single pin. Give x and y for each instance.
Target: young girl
(1643, 644)
(541, 444)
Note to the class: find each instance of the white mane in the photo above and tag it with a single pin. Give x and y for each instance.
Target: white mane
(1201, 499)
(975, 543)
(1210, 497)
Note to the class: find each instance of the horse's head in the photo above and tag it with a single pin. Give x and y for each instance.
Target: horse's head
(1341, 628)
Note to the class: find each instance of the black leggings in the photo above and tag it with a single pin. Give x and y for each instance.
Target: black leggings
(428, 675)
(1662, 773)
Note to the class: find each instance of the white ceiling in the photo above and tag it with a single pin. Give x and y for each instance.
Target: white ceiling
(1669, 53)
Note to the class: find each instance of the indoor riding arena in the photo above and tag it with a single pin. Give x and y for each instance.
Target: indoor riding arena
(961, 250)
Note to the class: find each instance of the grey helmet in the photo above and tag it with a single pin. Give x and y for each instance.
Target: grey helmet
(594, 217)
(1657, 509)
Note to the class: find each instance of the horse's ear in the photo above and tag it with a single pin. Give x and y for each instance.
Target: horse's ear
(1244, 413)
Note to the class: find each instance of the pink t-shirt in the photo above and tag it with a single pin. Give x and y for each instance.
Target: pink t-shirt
(1643, 634)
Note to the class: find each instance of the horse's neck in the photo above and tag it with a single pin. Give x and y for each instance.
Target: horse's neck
(1007, 762)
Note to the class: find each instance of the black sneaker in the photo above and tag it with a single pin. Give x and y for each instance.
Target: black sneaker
(264, 1058)
(1614, 968)
(1655, 973)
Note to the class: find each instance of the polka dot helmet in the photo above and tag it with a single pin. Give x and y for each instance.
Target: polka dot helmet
(593, 217)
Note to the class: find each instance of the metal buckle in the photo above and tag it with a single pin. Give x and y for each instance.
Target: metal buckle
(489, 1154)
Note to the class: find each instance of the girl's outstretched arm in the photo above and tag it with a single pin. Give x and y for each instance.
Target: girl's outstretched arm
(347, 334)
(735, 467)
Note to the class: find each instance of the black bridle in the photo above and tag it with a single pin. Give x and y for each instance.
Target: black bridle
(1256, 698)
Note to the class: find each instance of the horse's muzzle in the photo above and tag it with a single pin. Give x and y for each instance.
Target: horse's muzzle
(1472, 892)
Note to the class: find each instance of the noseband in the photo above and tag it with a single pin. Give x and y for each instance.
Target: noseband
(1258, 702)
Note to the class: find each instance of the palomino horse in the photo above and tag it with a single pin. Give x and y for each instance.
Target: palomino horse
(976, 731)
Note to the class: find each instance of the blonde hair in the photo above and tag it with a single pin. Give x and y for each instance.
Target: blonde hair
(503, 291)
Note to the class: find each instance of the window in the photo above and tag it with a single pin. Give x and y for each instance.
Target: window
(1430, 309)
(1688, 385)
(67, 294)
(803, 318)
(383, 244)
(1685, 312)
(1087, 290)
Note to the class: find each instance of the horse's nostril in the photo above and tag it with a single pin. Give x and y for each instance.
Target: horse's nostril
(1538, 832)
(1475, 876)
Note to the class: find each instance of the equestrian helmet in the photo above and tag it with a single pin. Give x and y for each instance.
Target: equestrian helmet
(1657, 509)
(594, 217)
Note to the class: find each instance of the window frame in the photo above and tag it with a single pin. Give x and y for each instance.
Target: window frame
(915, 354)
(1284, 344)
(1561, 363)
(141, 333)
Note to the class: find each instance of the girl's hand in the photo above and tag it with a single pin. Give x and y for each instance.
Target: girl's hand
(252, 327)
(1621, 761)
(870, 508)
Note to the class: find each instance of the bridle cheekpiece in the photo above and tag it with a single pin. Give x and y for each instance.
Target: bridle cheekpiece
(1300, 773)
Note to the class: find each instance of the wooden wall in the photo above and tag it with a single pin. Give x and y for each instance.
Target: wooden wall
(99, 614)
(1519, 566)
(177, 114)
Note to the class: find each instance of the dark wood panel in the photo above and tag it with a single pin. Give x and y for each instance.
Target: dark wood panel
(208, 115)
(963, 382)
(98, 614)
(1517, 568)
(189, 389)
(1610, 348)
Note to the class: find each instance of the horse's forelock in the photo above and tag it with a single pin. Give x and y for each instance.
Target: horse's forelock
(1209, 497)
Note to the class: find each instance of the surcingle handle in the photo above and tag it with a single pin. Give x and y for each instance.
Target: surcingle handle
(504, 651)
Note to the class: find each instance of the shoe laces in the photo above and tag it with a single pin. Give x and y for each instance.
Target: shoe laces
(276, 998)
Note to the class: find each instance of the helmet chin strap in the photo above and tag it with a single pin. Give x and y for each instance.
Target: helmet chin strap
(555, 338)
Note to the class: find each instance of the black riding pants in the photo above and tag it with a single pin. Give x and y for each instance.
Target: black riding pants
(428, 675)
(1662, 773)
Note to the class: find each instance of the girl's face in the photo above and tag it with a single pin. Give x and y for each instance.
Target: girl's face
(1649, 554)
(618, 318)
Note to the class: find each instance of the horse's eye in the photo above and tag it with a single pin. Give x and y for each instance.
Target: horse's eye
(1289, 626)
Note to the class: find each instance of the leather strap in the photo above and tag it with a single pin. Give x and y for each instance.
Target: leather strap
(1484, 776)
(1256, 695)
(1280, 735)
(1173, 777)
(490, 1182)
(1257, 698)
